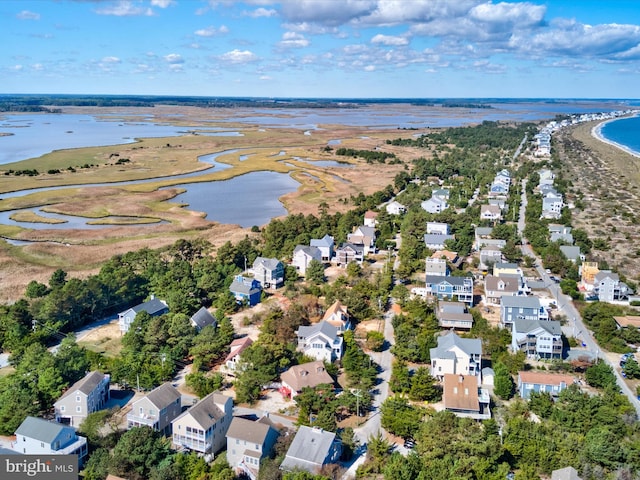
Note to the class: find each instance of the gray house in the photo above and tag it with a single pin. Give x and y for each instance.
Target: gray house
(538, 339)
(436, 241)
(203, 427)
(325, 245)
(153, 307)
(609, 288)
(454, 315)
(86, 396)
(36, 436)
(203, 318)
(156, 410)
(311, 449)
(248, 442)
(521, 308)
(268, 271)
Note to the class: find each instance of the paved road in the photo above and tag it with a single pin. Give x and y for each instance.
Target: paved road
(576, 323)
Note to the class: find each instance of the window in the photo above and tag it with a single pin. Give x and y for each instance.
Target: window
(78, 409)
(62, 408)
(41, 444)
(77, 398)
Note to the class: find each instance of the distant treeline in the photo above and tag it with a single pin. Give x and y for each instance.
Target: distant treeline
(369, 155)
(26, 107)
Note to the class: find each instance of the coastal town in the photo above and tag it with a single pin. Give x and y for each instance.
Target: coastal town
(339, 346)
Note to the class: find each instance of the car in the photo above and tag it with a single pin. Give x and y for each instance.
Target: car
(548, 270)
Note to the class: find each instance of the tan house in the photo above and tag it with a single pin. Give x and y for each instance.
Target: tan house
(492, 213)
(338, 316)
(309, 375)
(156, 410)
(237, 346)
(464, 398)
(203, 428)
(86, 396)
(248, 442)
(497, 287)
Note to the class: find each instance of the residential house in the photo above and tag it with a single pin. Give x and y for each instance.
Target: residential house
(37, 436)
(349, 252)
(156, 410)
(462, 356)
(268, 271)
(465, 398)
(370, 218)
(248, 442)
(566, 473)
(325, 245)
(460, 288)
(538, 339)
(543, 382)
(436, 241)
(436, 267)
(203, 318)
(500, 269)
(454, 315)
(302, 376)
(438, 227)
(588, 272)
(203, 427)
(320, 341)
(609, 288)
(503, 176)
(489, 256)
(365, 236)
(87, 395)
(311, 449)
(246, 290)
(547, 177)
(395, 208)
(338, 316)
(498, 189)
(434, 205)
(552, 205)
(500, 202)
(153, 307)
(441, 193)
(560, 233)
(492, 213)
(449, 256)
(302, 257)
(628, 321)
(237, 346)
(572, 252)
(497, 287)
(521, 308)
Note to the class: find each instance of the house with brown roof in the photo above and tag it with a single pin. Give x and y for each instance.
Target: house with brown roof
(156, 410)
(304, 375)
(628, 321)
(370, 218)
(203, 427)
(497, 287)
(338, 316)
(87, 395)
(463, 396)
(543, 382)
(237, 346)
(248, 442)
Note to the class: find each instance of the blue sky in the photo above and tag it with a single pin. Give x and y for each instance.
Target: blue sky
(322, 48)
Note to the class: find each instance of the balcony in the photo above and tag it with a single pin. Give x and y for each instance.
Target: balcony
(142, 420)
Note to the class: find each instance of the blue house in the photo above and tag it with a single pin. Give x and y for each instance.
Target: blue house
(246, 289)
(450, 288)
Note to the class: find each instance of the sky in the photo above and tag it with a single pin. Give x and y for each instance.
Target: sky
(322, 48)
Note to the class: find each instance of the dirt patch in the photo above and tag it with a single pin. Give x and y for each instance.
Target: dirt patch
(105, 339)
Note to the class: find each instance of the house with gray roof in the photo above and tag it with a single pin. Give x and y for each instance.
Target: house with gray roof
(347, 253)
(302, 257)
(537, 338)
(248, 442)
(457, 355)
(566, 473)
(153, 307)
(521, 308)
(320, 341)
(268, 271)
(203, 427)
(325, 244)
(246, 289)
(311, 449)
(87, 395)
(453, 315)
(450, 288)
(434, 205)
(560, 233)
(365, 236)
(156, 410)
(572, 252)
(609, 288)
(203, 318)
(37, 436)
(436, 241)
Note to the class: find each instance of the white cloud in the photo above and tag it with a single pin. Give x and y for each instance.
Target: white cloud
(162, 3)
(110, 60)
(174, 58)
(265, 78)
(369, 68)
(390, 40)
(326, 13)
(27, 15)
(38, 67)
(238, 57)
(261, 12)
(293, 40)
(212, 31)
(125, 8)
(16, 68)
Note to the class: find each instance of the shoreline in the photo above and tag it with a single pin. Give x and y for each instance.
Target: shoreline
(596, 132)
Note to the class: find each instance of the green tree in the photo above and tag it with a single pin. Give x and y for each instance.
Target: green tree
(137, 452)
(315, 272)
(504, 386)
(631, 368)
(36, 289)
(399, 417)
(423, 386)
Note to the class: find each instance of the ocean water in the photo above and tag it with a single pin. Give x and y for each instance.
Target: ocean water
(624, 132)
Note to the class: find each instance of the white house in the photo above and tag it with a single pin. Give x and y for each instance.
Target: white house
(440, 228)
(37, 436)
(320, 341)
(311, 449)
(370, 218)
(456, 355)
(492, 213)
(538, 339)
(395, 208)
(365, 236)
(302, 257)
(325, 245)
(434, 205)
(248, 442)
